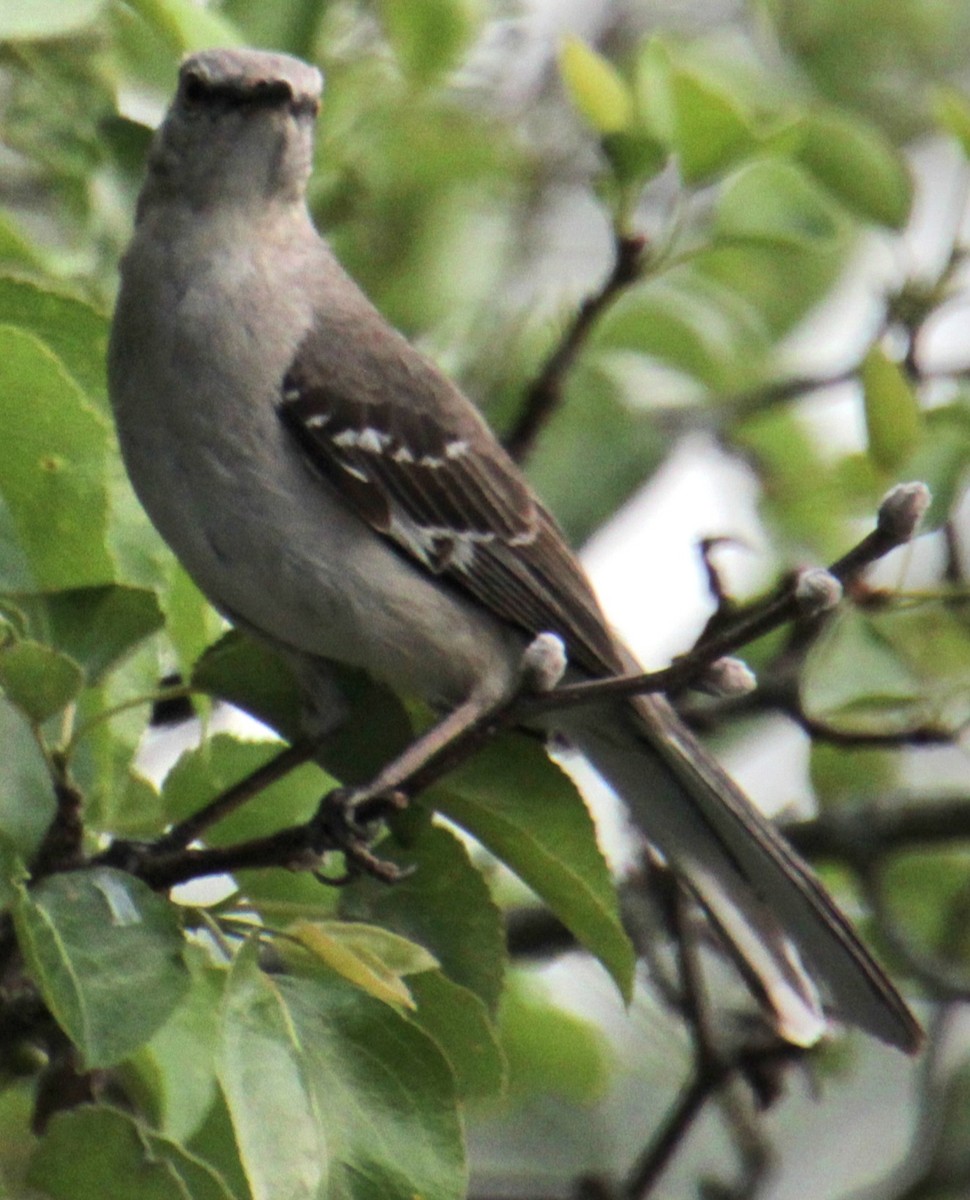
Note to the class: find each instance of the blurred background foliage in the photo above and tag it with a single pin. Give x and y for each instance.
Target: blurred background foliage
(477, 161)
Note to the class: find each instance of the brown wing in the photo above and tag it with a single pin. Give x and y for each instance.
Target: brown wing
(412, 456)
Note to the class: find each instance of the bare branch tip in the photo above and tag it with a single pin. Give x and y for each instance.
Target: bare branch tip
(902, 510)
(817, 591)
(544, 663)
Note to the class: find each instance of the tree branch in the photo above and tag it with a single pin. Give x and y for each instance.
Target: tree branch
(187, 831)
(778, 693)
(861, 835)
(898, 518)
(545, 393)
(755, 1064)
(60, 848)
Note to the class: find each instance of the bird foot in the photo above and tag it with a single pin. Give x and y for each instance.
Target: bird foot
(350, 821)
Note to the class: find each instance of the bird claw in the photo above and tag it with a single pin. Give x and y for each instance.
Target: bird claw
(350, 821)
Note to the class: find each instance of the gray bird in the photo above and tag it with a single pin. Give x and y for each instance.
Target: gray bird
(331, 491)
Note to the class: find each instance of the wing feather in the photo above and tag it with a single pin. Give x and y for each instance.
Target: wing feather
(416, 462)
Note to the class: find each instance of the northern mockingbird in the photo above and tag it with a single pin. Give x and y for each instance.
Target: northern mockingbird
(328, 488)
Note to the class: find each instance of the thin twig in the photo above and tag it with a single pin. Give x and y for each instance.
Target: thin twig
(750, 1061)
(751, 1147)
(911, 735)
(755, 400)
(187, 831)
(861, 835)
(674, 418)
(655, 1159)
(899, 516)
(777, 692)
(545, 393)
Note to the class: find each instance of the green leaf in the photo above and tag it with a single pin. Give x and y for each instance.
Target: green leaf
(890, 670)
(595, 87)
(695, 116)
(858, 165)
(26, 792)
(222, 761)
(38, 680)
(776, 202)
(263, 1070)
(385, 1094)
(244, 672)
(692, 323)
(865, 773)
(459, 1024)
(598, 436)
(943, 457)
(634, 156)
(374, 726)
(924, 889)
(35, 19)
(108, 729)
(200, 1180)
(13, 619)
(186, 26)
(142, 558)
(953, 113)
(654, 94)
(106, 954)
(872, 58)
(428, 36)
(893, 419)
(798, 483)
(780, 281)
(72, 329)
(444, 904)
(16, 249)
(290, 23)
(527, 812)
(371, 724)
(95, 1151)
(850, 662)
(669, 324)
(13, 872)
(534, 1032)
(215, 1143)
(130, 806)
(711, 133)
(370, 958)
(948, 1156)
(191, 622)
(52, 462)
(178, 1064)
(96, 627)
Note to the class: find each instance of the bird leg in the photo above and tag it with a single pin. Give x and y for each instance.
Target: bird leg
(346, 818)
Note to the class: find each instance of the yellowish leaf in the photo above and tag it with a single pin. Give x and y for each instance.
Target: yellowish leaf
(371, 958)
(595, 87)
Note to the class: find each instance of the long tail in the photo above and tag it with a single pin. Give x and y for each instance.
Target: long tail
(763, 897)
